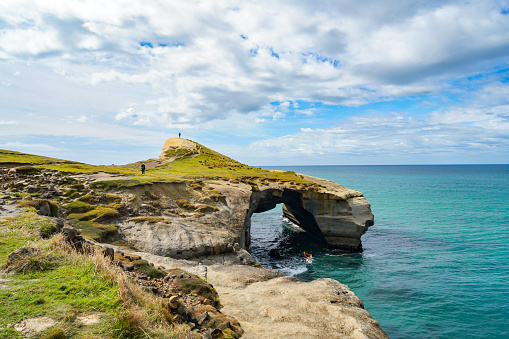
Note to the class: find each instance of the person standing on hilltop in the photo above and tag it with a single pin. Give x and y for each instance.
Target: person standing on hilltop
(179, 135)
(142, 168)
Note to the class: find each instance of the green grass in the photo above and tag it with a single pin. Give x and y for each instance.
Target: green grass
(77, 285)
(61, 291)
(37, 203)
(189, 166)
(30, 222)
(14, 157)
(79, 207)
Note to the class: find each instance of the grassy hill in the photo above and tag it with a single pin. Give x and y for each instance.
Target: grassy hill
(180, 164)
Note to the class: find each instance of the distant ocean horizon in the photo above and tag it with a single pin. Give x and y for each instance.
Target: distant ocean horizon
(435, 264)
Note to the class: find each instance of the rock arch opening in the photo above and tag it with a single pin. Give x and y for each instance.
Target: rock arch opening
(334, 216)
(292, 208)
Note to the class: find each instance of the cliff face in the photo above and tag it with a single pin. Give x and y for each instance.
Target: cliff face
(332, 214)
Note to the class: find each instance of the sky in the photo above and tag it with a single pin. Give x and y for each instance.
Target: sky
(330, 82)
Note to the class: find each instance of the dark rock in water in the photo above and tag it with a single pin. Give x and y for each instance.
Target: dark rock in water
(274, 253)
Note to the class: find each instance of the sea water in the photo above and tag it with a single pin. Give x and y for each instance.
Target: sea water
(436, 262)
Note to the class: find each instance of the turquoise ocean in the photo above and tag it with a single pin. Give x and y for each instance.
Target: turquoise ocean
(436, 262)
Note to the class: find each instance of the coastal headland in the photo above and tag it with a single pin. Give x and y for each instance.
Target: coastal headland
(191, 211)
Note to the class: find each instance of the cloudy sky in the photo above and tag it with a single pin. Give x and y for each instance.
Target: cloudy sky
(266, 82)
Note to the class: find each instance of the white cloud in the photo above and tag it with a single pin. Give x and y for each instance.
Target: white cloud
(29, 147)
(222, 65)
(457, 132)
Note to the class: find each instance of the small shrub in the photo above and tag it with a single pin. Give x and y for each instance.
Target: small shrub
(79, 206)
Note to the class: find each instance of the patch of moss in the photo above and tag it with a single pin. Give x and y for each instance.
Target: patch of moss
(70, 180)
(89, 198)
(79, 187)
(70, 192)
(144, 267)
(190, 283)
(79, 206)
(27, 170)
(111, 184)
(98, 214)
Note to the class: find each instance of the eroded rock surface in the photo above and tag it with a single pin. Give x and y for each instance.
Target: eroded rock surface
(269, 304)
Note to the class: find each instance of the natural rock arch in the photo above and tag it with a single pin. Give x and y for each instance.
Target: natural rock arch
(336, 217)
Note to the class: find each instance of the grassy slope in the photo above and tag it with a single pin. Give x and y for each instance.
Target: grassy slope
(75, 285)
(208, 164)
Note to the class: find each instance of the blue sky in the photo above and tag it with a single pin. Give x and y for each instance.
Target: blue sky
(267, 83)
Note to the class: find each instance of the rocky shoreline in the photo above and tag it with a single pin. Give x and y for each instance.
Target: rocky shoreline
(201, 228)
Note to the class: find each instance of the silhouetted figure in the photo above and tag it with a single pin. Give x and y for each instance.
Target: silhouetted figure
(179, 134)
(142, 168)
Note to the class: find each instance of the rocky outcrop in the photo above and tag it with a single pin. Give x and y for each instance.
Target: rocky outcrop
(269, 304)
(333, 214)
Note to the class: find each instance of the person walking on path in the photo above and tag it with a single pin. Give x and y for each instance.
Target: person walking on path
(142, 168)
